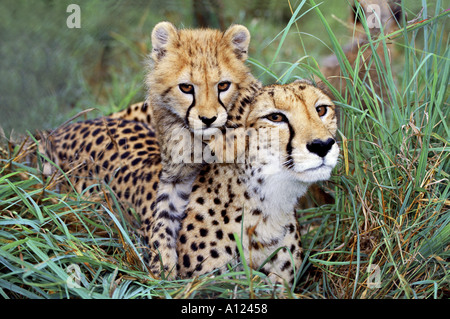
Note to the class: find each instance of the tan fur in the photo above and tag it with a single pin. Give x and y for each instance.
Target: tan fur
(138, 112)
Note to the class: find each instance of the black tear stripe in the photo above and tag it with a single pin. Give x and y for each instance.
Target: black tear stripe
(290, 160)
(218, 92)
(189, 110)
(220, 102)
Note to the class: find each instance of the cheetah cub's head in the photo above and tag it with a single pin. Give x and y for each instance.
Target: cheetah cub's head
(304, 120)
(197, 74)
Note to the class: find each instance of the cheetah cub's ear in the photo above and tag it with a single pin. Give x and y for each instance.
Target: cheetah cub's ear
(162, 35)
(239, 37)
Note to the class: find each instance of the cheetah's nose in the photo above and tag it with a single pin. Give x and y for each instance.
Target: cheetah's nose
(320, 147)
(207, 120)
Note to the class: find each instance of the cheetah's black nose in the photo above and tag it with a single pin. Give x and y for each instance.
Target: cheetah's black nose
(320, 147)
(207, 120)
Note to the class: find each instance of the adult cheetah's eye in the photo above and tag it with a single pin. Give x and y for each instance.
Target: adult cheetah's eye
(321, 110)
(276, 117)
(223, 86)
(186, 88)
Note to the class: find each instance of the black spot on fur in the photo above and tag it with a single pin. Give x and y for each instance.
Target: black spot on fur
(286, 265)
(186, 261)
(214, 253)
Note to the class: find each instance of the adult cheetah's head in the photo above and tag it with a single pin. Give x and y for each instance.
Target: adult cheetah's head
(302, 123)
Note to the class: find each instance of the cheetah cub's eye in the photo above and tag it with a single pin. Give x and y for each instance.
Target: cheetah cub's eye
(321, 110)
(186, 88)
(276, 117)
(223, 86)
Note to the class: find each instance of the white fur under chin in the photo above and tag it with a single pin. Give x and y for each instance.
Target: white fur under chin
(314, 168)
(280, 189)
(283, 187)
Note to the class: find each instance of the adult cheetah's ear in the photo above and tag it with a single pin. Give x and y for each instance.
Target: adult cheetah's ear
(302, 83)
(162, 35)
(239, 37)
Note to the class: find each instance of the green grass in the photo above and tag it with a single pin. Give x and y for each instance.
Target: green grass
(391, 188)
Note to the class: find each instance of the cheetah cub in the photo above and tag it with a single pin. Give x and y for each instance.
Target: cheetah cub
(197, 83)
(256, 199)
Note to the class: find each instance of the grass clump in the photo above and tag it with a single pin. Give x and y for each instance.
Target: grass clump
(388, 236)
(65, 246)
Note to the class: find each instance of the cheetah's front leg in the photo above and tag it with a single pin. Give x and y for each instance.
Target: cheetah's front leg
(283, 266)
(167, 215)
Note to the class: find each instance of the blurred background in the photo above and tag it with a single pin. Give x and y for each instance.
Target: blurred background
(49, 72)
